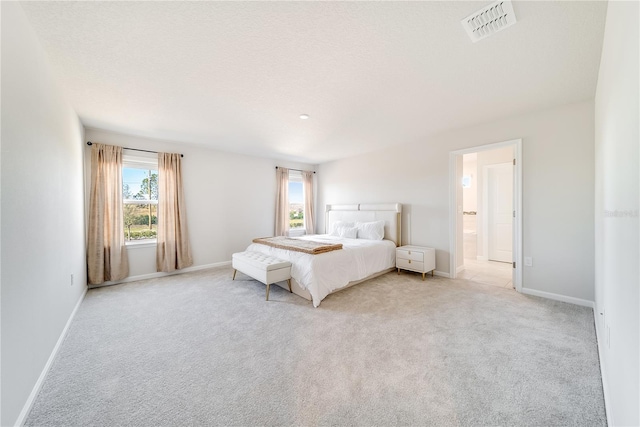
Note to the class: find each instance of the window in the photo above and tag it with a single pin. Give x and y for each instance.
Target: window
(140, 198)
(296, 203)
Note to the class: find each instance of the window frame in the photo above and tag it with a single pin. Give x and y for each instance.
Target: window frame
(147, 163)
(296, 176)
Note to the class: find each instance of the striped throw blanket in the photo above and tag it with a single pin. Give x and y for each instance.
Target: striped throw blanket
(298, 245)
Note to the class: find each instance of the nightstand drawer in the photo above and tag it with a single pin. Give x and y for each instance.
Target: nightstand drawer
(408, 264)
(416, 258)
(410, 255)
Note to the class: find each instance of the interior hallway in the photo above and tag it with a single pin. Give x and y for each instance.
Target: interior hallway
(486, 272)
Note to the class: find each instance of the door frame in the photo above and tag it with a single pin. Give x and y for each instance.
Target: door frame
(517, 203)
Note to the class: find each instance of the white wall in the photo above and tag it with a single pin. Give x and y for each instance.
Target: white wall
(617, 203)
(230, 198)
(42, 221)
(558, 176)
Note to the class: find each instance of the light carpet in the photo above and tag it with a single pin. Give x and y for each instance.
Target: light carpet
(201, 349)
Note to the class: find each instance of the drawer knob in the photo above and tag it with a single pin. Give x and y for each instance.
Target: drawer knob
(409, 261)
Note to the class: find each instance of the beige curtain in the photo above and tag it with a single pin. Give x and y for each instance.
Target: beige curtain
(106, 250)
(282, 201)
(174, 250)
(309, 218)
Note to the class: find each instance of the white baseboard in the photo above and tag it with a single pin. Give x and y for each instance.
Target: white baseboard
(441, 273)
(601, 340)
(482, 258)
(460, 269)
(36, 388)
(162, 274)
(558, 297)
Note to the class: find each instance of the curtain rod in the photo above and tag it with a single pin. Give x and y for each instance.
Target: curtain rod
(298, 170)
(135, 149)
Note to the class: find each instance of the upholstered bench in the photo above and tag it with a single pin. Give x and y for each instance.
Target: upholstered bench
(264, 268)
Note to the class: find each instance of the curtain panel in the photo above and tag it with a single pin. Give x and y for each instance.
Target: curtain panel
(309, 216)
(282, 201)
(106, 251)
(173, 251)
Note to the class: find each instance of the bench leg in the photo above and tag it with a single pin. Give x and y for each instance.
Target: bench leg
(234, 274)
(289, 282)
(268, 292)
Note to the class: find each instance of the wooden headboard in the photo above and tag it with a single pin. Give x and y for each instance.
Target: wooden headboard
(391, 213)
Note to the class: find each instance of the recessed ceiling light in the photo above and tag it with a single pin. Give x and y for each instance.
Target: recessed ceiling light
(304, 116)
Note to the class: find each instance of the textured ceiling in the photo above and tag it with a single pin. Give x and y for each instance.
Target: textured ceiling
(236, 76)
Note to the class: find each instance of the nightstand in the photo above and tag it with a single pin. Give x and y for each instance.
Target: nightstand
(416, 258)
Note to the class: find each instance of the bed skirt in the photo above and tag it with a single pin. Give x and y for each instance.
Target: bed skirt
(301, 292)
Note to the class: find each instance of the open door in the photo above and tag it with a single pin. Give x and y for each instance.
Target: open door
(514, 247)
(500, 212)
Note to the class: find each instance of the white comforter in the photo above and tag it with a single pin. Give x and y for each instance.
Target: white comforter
(324, 273)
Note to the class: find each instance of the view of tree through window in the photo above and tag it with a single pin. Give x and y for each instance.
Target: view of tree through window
(140, 203)
(296, 201)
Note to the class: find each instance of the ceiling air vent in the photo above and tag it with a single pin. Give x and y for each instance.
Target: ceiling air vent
(488, 20)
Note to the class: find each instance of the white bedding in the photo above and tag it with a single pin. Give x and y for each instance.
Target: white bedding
(324, 273)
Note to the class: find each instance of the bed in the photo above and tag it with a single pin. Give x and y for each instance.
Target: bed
(316, 276)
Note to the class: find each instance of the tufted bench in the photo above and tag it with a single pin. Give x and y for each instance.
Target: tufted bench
(264, 268)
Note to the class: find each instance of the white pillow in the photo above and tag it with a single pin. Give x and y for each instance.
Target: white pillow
(345, 232)
(370, 230)
(337, 224)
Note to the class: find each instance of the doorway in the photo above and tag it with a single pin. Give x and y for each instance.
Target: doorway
(486, 226)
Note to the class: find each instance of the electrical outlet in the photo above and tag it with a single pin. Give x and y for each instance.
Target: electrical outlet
(528, 261)
(71, 279)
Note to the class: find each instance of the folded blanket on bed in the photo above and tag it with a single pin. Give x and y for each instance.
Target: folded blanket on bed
(306, 246)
